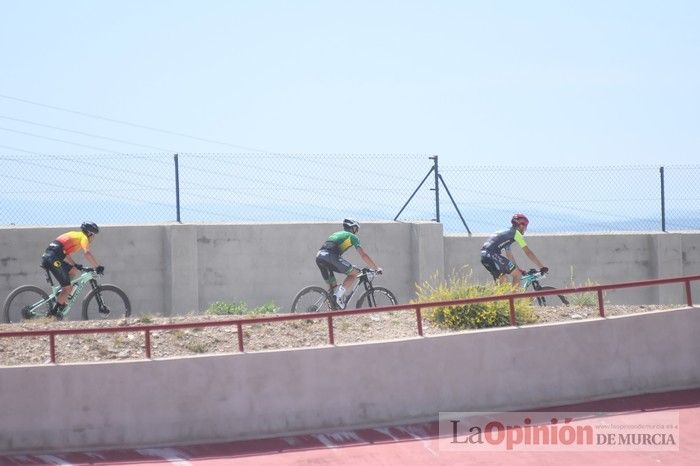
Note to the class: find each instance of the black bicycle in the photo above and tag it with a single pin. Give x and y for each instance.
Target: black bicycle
(317, 299)
(532, 278)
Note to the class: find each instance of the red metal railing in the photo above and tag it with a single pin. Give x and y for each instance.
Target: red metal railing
(417, 307)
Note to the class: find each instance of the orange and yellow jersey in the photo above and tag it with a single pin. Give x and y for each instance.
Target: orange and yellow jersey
(74, 241)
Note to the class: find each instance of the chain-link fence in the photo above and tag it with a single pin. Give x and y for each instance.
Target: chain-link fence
(576, 199)
(150, 188)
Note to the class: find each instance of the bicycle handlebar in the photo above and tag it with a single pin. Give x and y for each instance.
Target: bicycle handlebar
(534, 273)
(367, 271)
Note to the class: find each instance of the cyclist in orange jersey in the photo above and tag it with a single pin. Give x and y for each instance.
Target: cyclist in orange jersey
(59, 261)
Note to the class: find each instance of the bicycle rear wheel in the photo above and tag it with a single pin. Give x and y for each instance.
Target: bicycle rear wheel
(312, 299)
(376, 297)
(542, 300)
(114, 303)
(26, 302)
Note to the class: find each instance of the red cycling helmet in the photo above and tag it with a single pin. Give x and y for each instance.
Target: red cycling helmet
(519, 219)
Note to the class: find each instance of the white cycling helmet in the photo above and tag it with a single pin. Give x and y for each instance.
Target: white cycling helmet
(350, 224)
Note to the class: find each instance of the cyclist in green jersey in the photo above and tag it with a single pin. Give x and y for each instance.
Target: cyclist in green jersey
(329, 259)
(500, 266)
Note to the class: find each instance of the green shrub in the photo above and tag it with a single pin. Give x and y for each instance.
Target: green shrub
(589, 298)
(145, 319)
(269, 308)
(473, 315)
(240, 308)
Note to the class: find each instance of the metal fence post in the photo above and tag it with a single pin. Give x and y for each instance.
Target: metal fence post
(177, 188)
(663, 200)
(436, 188)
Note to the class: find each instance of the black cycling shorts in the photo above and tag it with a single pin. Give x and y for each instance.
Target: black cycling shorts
(53, 261)
(496, 264)
(328, 262)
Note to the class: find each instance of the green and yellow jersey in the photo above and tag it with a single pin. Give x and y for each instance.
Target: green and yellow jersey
(341, 241)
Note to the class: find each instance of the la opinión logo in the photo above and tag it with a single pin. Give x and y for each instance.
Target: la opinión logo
(540, 431)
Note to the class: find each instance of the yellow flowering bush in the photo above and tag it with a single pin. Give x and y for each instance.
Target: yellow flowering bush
(471, 315)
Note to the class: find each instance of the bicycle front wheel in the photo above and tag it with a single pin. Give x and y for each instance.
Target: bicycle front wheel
(377, 297)
(26, 302)
(542, 300)
(106, 302)
(312, 299)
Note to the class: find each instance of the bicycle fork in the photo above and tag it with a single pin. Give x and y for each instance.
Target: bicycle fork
(98, 297)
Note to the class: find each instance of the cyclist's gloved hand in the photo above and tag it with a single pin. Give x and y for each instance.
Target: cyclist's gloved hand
(379, 270)
(100, 270)
(78, 266)
(544, 270)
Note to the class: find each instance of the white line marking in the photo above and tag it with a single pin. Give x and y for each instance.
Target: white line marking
(170, 455)
(51, 459)
(419, 433)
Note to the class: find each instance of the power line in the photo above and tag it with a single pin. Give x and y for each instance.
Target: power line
(58, 140)
(127, 123)
(85, 134)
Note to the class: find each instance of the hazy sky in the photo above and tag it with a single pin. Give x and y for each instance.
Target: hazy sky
(477, 82)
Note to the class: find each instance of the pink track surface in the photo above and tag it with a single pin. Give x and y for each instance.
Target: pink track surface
(401, 444)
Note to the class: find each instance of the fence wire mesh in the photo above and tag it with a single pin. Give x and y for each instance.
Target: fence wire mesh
(586, 199)
(146, 188)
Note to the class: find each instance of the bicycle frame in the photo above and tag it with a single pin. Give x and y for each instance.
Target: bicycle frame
(531, 278)
(365, 278)
(78, 283)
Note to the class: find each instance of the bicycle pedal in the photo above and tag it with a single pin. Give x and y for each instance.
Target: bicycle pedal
(339, 302)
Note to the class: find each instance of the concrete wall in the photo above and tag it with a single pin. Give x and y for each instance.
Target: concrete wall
(175, 269)
(227, 397)
(598, 259)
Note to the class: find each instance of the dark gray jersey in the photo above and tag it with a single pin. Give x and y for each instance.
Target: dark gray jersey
(503, 240)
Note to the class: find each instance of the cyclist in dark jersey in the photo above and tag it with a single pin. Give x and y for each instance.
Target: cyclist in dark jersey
(329, 259)
(58, 259)
(500, 266)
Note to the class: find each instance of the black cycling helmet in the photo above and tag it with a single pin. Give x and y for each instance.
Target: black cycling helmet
(350, 224)
(90, 227)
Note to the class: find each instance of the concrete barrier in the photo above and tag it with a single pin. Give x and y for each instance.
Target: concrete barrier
(173, 269)
(238, 396)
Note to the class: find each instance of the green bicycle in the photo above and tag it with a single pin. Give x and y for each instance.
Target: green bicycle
(102, 301)
(532, 278)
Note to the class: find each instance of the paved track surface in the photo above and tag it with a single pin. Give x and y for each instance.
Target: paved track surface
(401, 445)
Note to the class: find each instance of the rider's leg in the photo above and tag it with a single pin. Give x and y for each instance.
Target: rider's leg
(516, 277)
(332, 284)
(326, 271)
(490, 265)
(347, 283)
(63, 272)
(62, 297)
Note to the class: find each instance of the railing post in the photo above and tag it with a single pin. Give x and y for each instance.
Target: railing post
(148, 344)
(688, 295)
(511, 303)
(331, 337)
(419, 320)
(601, 310)
(52, 348)
(240, 337)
